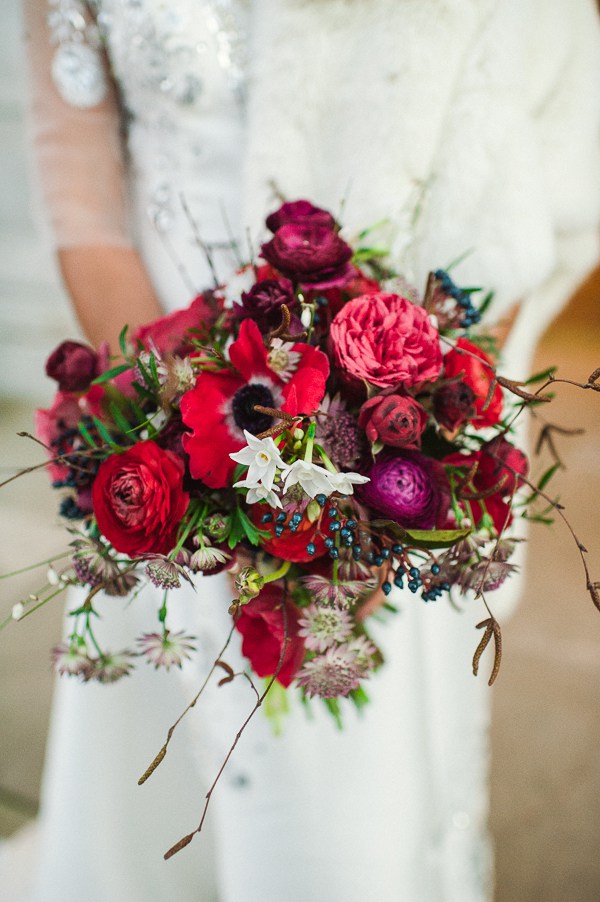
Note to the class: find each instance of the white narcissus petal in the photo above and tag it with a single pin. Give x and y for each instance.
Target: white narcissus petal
(344, 482)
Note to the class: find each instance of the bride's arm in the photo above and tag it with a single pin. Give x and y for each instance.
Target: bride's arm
(80, 164)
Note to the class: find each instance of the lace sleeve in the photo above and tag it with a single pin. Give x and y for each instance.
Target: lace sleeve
(74, 123)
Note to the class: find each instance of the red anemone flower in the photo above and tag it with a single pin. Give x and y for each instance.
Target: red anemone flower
(221, 405)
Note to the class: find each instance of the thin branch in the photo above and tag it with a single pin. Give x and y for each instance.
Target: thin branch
(186, 840)
(163, 751)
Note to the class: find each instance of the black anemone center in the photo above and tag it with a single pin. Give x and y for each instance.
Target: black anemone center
(244, 414)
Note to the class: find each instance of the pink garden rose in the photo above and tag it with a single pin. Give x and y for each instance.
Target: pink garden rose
(386, 340)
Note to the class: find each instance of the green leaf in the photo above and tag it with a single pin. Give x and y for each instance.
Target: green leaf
(123, 340)
(423, 538)
(541, 377)
(86, 435)
(486, 302)
(105, 434)
(333, 706)
(109, 374)
(243, 528)
(119, 419)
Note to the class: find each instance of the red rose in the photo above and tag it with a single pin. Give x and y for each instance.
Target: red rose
(73, 365)
(263, 627)
(476, 370)
(171, 333)
(393, 419)
(386, 340)
(310, 254)
(139, 499)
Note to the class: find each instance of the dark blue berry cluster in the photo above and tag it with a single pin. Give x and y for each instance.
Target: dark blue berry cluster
(470, 314)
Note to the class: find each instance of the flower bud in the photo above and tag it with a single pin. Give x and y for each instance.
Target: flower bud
(218, 526)
(248, 583)
(73, 365)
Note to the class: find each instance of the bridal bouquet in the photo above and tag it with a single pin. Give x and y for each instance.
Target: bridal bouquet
(317, 428)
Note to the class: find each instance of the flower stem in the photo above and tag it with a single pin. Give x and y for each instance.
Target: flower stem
(278, 574)
(50, 560)
(310, 440)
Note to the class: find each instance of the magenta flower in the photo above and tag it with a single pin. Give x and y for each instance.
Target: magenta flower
(406, 487)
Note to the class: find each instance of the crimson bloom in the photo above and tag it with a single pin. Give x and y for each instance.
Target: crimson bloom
(499, 468)
(264, 625)
(139, 499)
(222, 405)
(476, 371)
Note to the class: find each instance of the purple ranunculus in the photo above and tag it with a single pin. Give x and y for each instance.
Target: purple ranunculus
(263, 304)
(311, 254)
(299, 211)
(404, 487)
(73, 365)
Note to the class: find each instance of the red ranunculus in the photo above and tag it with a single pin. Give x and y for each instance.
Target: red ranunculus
(476, 370)
(262, 624)
(299, 211)
(393, 419)
(310, 254)
(171, 333)
(386, 340)
(139, 499)
(221, 405)
(73, 365)
(500, 465)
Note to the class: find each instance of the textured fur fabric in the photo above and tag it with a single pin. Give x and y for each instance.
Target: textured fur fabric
(470, 126)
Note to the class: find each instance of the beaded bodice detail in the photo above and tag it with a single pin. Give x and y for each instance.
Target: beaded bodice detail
(179, 71)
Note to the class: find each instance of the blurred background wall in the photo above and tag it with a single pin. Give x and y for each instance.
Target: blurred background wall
(546, 732)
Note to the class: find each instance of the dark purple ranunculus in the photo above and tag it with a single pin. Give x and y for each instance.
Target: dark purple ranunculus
(394, 419)
(263, 304)
(73, 365)
(299, 211)
(453, 404)
(310, 254)
(404, 487)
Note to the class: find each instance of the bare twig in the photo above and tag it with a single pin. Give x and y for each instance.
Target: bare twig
(186, 840)
(163, 751)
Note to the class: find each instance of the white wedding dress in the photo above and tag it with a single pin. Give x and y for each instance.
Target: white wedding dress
(452, 110)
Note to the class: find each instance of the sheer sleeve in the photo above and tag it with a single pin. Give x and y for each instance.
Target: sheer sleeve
(76, 137)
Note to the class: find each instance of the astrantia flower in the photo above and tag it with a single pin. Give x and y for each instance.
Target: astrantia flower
(109, 668)
(222, 405)
(331, 674)
(207, 558)
(336, 594)
(164, 573)
(322, 627)
(168, 650)
(364, 650)
(71, 658)
(339, 433)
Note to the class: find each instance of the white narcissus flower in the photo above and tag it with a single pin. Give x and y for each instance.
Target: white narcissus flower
(262, 457)
(344, 482)
(312, 478)
(258, 493)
